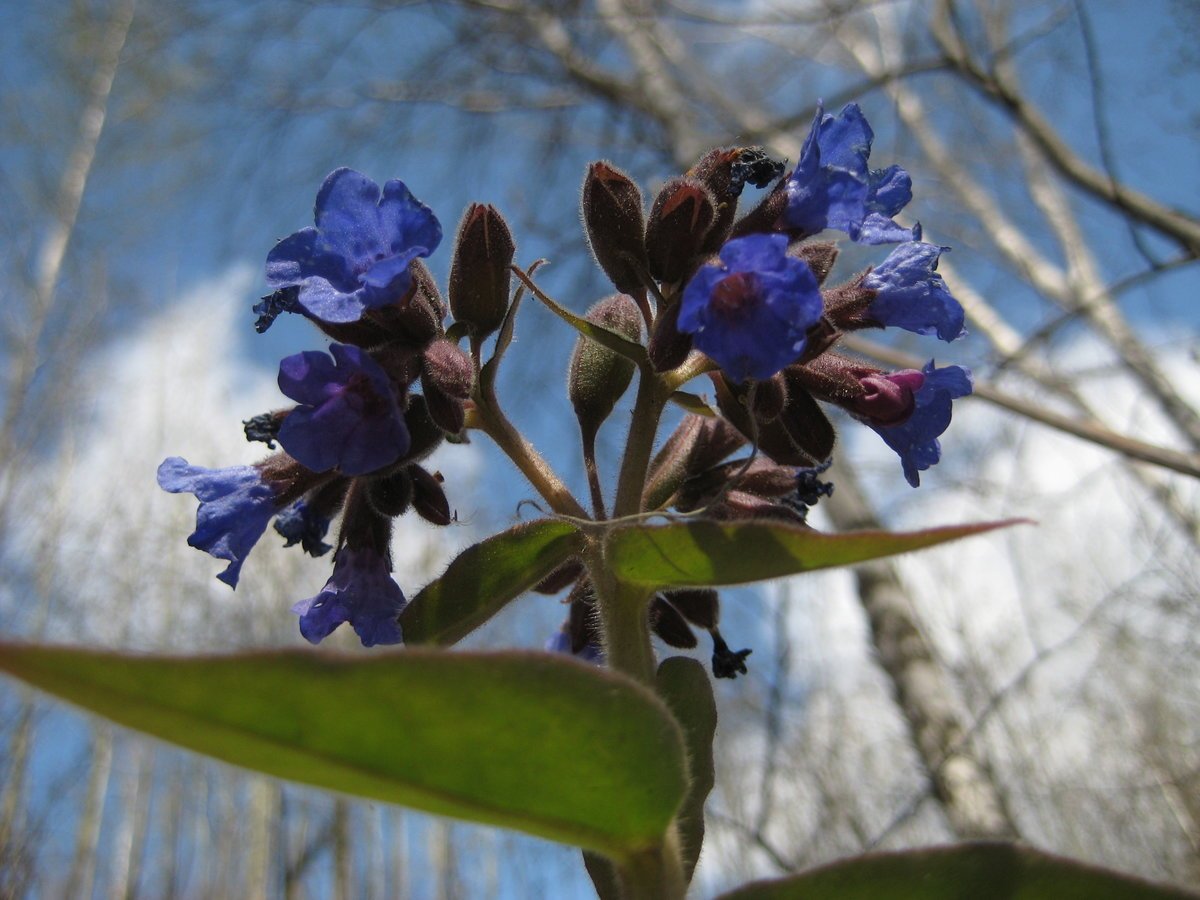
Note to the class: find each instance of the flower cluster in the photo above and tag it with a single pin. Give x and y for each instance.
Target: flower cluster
(699, 290)
(354, 441)
(760, 312)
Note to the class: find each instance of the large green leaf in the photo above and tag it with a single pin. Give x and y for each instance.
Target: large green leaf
(533, 741)
(484, 577)
(703, 553)
(988, 871)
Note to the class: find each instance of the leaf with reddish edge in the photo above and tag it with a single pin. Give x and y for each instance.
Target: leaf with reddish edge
(704, 553)
(538, 742)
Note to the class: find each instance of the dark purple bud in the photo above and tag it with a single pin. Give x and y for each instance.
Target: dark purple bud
(598, 377)
(803, 434)
(669, 625)
(715, 172)
(428, 498)
(448, 412)
(764, 218)
(424, 433)
(700, 606)
(480, 275)
(699, 443)
(820, 256)
(682, 214)
(448, 368)
(669, 346)
(769, 398)
(742, 505)
(391, 495)
(427, 291)
(615, 226)
(566, 574)
(415, 320)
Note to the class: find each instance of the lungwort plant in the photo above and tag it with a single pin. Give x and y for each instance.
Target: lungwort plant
(597, 742)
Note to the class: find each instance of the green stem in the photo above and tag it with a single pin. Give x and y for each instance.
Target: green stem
(655, 874)
(652, 396)
(495, 424)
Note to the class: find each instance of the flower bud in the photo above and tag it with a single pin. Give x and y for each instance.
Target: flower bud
(668, 624)
(428, 498)
(448, 412)
(769, 398)
(820, 256)
(391, 494)
(700, 606)
(448, 369)
(479, 274)
(615, 226)
(599, 376)
(424, 434)
(697, 444)
(669, 346)
(802, 435)
(682, 214)
(715, 172)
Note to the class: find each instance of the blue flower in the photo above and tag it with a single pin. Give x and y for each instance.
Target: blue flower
(832, 187)
(235, 507)
(360, 591)
(301, 524)
(751, 313)
(909, 293)
(357, 256)
(916, 438)
(348, 417)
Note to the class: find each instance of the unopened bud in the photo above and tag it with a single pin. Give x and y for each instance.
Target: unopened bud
(448, 412)
(820, 256)
(448, 368)
(669, 346)
(615, 226)
(668, 624)
(428, 498)
(599, 376)
(700, 606)
(479, 274)
(391, 494)
(424, 434)
(682, 214)
(769, 398)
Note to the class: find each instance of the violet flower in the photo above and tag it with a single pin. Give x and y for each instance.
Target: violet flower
(361, 591)
(909, 293)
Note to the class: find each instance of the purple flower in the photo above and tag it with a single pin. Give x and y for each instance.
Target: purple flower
(360, 591)
(357, 256)
(751, 313)
(235, 507)
(348, 416)
(916, 438)
(301, 524)
(909, 293)
(832, 187)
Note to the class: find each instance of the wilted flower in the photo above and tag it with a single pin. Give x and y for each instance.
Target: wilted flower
(361, 591)
(832, 187)
(357, 257)
(348, 416)
(751, 312)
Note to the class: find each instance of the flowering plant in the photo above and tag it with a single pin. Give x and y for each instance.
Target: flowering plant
(596, 742)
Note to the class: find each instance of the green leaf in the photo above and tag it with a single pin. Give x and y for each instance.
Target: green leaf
(485, 577)
(533, 741)
(684, 685)
(985, 871)
(611, 339)
(692, 403)
(703, 553)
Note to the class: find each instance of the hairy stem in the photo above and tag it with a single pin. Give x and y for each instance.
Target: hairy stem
(652, 396)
